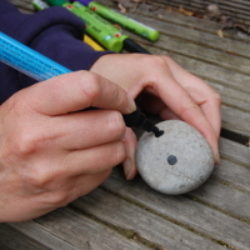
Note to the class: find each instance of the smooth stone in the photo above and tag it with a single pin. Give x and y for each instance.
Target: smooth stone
(178, 161)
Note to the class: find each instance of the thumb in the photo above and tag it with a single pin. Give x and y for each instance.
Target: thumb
(76, 91)
(129, 165)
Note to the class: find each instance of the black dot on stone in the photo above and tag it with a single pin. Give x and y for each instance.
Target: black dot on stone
(172, 159)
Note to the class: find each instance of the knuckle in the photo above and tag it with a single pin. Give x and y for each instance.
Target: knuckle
(17, 104)
(157, 65)
(37, 177)
(116, 124)
(13, 103)
(120, 96)
(167, 59)
(158, 62)
(20, 140)
(90, 86)
(217, 98)
(25, 143)
(61, 198)
(18, 146)
(184, 110)
(56, 198)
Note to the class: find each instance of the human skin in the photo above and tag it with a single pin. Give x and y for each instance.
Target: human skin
(166, 89)
(49, 153)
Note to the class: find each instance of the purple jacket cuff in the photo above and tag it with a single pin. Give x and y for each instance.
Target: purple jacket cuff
(55, 32)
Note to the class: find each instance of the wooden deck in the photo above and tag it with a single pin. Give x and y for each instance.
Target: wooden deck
(130, 215)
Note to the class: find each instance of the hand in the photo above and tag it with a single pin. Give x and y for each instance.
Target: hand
(50, 154)
(162, 87)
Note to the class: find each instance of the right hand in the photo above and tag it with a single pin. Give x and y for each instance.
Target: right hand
(49, 153)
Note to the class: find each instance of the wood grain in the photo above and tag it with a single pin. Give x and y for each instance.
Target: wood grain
(130, 215)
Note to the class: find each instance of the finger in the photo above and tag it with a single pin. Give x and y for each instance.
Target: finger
(89, 128)
(129, 165)
(75, 91)
(184, 107)
(208, 99)
(167, 114)
(94, 160)
(209, 102)
(210, 105)
(212, 110)
(183, 76)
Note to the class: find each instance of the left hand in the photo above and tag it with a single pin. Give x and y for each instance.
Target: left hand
(171, 92)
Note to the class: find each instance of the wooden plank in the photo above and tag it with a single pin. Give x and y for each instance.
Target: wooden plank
(235, 120)
(198, 37)
(154, 229)
(216, 73)
(233, 174)
(235, 152)
(229, 6)
(225, 198)
(230, 181)
(191, 214)
(86, 233)
(203, 53)
(39, 234)
(232, 97)
(11, 239)
(161, 11)
(239, 10)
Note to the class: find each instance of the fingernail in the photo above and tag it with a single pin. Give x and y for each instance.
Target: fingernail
(132, 106)
(128, 167)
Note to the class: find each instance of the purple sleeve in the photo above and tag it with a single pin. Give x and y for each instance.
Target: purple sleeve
(54, 32)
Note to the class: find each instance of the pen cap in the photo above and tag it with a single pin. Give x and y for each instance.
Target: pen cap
(101, 30)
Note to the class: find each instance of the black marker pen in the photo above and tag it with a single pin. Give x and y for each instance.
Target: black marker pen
(138, 120)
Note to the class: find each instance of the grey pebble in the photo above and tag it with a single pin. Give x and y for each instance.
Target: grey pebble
(177, 162)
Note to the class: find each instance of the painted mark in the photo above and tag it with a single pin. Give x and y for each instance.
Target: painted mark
(172, 160)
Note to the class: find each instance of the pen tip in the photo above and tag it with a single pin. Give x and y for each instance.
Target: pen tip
(157, 131)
